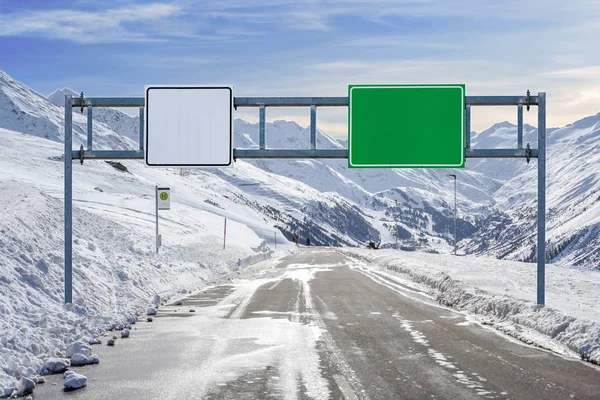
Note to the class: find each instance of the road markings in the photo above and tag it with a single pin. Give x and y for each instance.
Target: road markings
(345, 387)
(273, 286)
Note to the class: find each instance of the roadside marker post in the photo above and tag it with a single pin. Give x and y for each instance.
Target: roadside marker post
(220, 158)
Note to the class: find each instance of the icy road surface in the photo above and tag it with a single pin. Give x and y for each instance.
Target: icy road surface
(314, 327)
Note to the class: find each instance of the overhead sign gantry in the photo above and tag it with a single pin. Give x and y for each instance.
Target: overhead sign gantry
(417, 123)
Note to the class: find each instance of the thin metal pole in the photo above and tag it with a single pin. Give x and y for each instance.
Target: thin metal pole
(468, 126)
(520, 126)
(455, 208)
(541, 222)
(313, 127)
(141, 142)
(261, 126)
(455, 214)
(156, 204)
(275, 234)
(224, 233)
(89, 127)
(396, 220)
(68, 200)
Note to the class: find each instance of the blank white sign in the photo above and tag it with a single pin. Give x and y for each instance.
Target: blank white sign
(189, 126)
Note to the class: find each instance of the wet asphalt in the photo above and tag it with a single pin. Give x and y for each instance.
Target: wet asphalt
(377, 340)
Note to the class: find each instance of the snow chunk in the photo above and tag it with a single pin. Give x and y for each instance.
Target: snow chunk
(125, 333)
(151, 311)
(75, 381)
(79, 359)
(55, 366)
(95, 341)
(25, 386)
(78, 347)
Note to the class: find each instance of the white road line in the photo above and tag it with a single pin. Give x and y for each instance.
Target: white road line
(273, 286)
(345, 387)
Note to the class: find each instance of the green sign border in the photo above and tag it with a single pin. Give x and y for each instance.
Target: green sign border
(412, 86)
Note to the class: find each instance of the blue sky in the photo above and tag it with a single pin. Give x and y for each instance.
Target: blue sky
(311, 48)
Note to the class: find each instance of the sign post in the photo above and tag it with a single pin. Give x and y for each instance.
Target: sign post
(163, 202)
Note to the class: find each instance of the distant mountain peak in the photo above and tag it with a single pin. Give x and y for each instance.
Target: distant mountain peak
(5, 77)
(282, 122)
(503, 124)
(586, 122)
(58, 96)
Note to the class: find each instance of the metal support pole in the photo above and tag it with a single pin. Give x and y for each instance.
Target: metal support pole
(156, 204)
(224, 233)
(520, 126)
(261, 126)
(141, 143)
(468, 125)
(455, 214)
(313, 127)
(89, 127)
(396, 221)
(68, 200)
(455, 208)
(541, 222)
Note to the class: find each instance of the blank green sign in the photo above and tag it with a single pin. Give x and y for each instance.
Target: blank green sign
(406, 126)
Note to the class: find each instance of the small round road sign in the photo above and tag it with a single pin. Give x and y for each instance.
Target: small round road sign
(164, 196)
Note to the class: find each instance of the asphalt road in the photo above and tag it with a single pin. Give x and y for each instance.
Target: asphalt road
(320, 326)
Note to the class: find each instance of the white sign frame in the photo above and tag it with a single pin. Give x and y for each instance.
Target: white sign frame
(194, 125)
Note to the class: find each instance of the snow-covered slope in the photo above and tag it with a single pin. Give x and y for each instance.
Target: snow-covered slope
(115, 120)
(496, 198)
(23, 110)
(573, 201)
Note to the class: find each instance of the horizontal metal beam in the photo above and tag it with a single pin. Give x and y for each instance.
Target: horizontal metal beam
(296, 101)
(109, 102)
(285, 153)
(500, 100)
(290, 153)
(500, 153)
(290, 101)
(109, 155)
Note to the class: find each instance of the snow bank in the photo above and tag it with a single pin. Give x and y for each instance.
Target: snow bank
(117, 274)
(503, 294)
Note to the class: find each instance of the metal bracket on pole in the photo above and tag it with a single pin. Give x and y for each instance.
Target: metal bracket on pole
(528, 153)
(81, 154)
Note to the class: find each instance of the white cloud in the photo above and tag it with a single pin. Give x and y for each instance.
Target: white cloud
(87, 26)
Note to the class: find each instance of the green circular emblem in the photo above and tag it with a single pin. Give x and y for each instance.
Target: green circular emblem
(164, 196)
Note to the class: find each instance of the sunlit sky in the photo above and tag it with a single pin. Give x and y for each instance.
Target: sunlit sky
(311, 48)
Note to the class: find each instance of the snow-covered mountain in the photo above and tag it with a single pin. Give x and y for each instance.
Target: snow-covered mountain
(496, 198)
(573, 201)
(26, 111)
(386, 193)
(115, 120)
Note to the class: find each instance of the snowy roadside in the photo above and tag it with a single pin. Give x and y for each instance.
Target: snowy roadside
(502, 294)
(116, 276)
